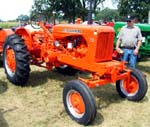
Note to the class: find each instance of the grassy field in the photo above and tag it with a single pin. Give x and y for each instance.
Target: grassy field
(8, 24)
(39, 104)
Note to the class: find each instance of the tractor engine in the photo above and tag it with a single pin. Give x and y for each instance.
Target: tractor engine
(91, 43)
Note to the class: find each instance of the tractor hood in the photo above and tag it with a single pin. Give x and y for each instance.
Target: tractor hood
(64, 30)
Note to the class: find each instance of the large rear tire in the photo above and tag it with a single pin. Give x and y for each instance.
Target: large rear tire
(16, 60)
(136, 89)
(79, 102)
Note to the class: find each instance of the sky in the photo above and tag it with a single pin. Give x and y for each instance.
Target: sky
(11, 9)
(108, 3)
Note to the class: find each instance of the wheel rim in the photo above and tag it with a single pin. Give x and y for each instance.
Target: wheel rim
(10, 61)
(131, 88)
(75, 104)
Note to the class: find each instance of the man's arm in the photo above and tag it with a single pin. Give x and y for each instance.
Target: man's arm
(119, 50)
(136, 51)
(139, 43)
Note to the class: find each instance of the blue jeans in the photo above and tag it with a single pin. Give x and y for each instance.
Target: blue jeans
(129, 57)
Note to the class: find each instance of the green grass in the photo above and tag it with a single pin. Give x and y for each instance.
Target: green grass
(39, 104)
(8, 24)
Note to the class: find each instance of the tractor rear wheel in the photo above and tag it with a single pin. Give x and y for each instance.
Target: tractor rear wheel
(135, 89)
(16, 60)
(79, 102)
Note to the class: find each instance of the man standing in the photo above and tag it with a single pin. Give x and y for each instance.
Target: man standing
(129, 42)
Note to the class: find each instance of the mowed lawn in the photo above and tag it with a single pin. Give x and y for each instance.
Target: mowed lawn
(8, 24)
(39, 104)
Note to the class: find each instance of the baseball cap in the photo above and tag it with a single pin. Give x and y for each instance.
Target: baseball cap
(130, 17)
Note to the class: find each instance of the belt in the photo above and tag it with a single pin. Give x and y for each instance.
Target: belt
(127, 47)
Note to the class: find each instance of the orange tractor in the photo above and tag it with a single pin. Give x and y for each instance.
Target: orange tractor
(79, 47)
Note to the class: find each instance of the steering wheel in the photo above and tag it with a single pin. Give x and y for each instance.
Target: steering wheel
(35, 19)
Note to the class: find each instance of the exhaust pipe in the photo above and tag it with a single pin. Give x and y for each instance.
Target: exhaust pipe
(90, 12)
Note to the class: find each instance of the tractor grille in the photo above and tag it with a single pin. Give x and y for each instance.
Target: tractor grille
(104, 50)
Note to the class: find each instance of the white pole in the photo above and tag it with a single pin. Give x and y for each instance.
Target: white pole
(149, 17)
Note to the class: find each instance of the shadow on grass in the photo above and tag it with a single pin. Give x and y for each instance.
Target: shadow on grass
(38, 78)
(143, 58)
(1, 64)
(144, 68)
(98, 120)
(3, 87)
(3, 122)
(106, 95)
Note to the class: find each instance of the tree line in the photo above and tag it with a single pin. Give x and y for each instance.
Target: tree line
(69, 10)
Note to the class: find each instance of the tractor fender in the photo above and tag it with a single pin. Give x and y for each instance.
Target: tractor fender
(26, 33)
(25, 30)
(3, 35)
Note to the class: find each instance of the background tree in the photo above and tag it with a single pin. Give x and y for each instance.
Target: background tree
(70, 8)
(41, 7)
(24, 18)
(139, 8)
(108, 14)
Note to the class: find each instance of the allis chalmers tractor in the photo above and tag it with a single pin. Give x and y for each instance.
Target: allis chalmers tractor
(82, 47)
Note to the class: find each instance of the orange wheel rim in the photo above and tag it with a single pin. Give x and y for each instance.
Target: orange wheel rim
(132, 86)
(77, 102)
(10, 58)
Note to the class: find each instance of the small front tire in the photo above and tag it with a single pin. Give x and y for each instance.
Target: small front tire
(79, 102)
(136, 89)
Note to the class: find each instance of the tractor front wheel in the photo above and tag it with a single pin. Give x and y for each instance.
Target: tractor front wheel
(79, 102)
(16, 60)
(134, 88)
